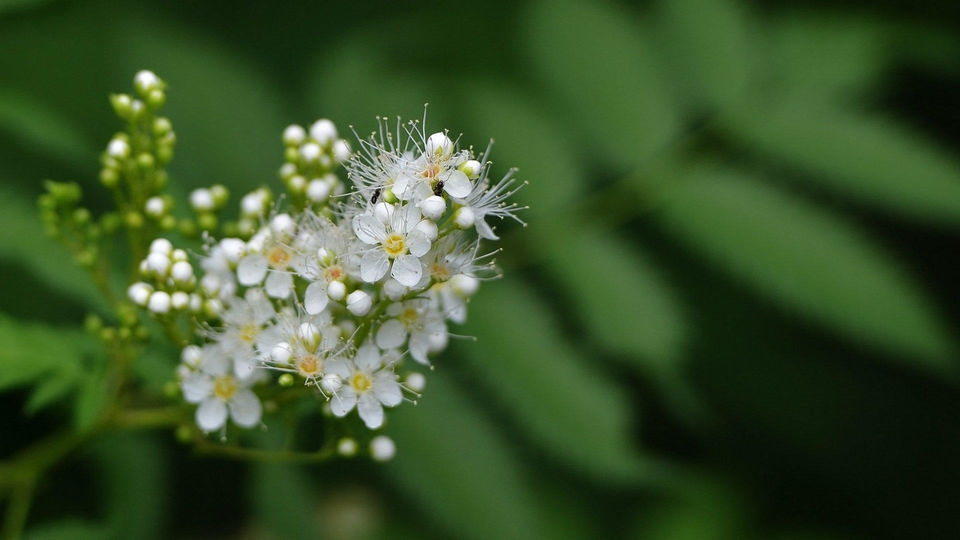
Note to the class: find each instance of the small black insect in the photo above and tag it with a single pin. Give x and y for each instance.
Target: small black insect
(438, 190)
(376, 196)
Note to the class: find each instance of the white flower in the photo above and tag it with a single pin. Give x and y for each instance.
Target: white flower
(243, 322)
(398, 244)
(270, 255)
(219, 393)
(485, 200)
(368, 385)
(416, 319)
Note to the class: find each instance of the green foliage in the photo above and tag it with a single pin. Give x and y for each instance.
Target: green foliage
(34, 125)
(135, 484)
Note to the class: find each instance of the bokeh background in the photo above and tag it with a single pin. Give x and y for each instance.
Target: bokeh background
(732, 313)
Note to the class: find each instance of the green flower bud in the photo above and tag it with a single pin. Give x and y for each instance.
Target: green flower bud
(109, 177)
(122, 105)
(207, 221)
(133, 220)
(145, 162)
(155, 99)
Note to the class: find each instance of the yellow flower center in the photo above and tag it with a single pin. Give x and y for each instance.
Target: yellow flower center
(431, 171)
(409, 316)
(439, 272)
(278, 257)
(224, 387)
(309, 366)
(333, 273)
(248, 333)
(394, 245)
(360, 382)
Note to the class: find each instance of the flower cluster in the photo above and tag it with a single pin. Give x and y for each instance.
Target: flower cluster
(328, 292)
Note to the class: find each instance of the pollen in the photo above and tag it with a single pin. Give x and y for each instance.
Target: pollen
(360, 382)
(224, 387)
(278, 257)
(395, 245)
(333, 273)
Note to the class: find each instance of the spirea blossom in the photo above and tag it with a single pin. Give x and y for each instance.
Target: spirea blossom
(328, 290)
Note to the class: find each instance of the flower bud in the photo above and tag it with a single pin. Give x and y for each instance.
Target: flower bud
(464, 218)
(382, 448)
(359, 303)
(159, 302)
(336, 290)
(323, 131)
(294, 135)
(471, 168)
(341, 151)
(433, 207)
(201, 200)
(139, 293)
(439, 145)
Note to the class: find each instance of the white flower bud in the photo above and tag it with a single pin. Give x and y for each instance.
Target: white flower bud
(191, 355)
(297, 184)
(330, 383)
(253, 203)
(428, 228)
(161, 245)
(464, 218)
(293, 135)
(196, 302)
(233, 249)
(282, 224)
(433, 207)
(287, 170)
(318, 190)
(139, 293)
(347, 447)
(341, 151)
(178, 255)
(214, 306)
(393, 289)
(323, 131)
(179, 300)
(210, 284)
(464, 285)
(439, 145)
(145, 81)
(118, 149)
(310, 336)
(159, 302)
(281, 353)
(201, 200)
(382, 448)
(416, 382)
(336, 290)
(310, 151)
(155, 207)
(471, 168)
(359, 303)
(158, 264)
(181, 272)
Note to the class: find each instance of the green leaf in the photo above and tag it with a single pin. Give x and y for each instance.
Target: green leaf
(91, 400)
(31, 351)
(709, 42)
(627, 306)
(531, 141)
(458, 468)
(35, 125)
(869, 158)
(565, 402)
(700, 509)
(22, 240)
(134, 472)
(70, 529)
(812, 56)
(592, 54)
(809, 260)
(284, 500)
(52, 389)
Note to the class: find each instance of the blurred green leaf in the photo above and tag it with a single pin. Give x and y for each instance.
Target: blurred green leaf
(70, 529)
(284, 501)
(52, 389)
(134, 472)
(91, 400)
(808, 259)
(704, 509)
(869, 158)
(565, 402)
(533, 142)
(457, 466)
(22, 240)
(35, 125)
(228, 116)
(823, 57)
(31, 351)
(709, 43)
(593, 54)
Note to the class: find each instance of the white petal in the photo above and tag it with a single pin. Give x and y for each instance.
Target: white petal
(370, 411)
(484, 230)
(457, 185)
(400, 184)
(387, 390)
(196, 387)
(374, 265)
(368, 229)
(245, 408)
(418, 243)
(391, 334)
(244, 364)
(315, 297)
(279, 284)
(419, 343)
(368, 357)
(343, 402)
(252, 269)
(407, 270)
(409, 218)
(211, 414)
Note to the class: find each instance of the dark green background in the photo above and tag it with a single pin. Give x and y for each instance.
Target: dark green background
(732, 315)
